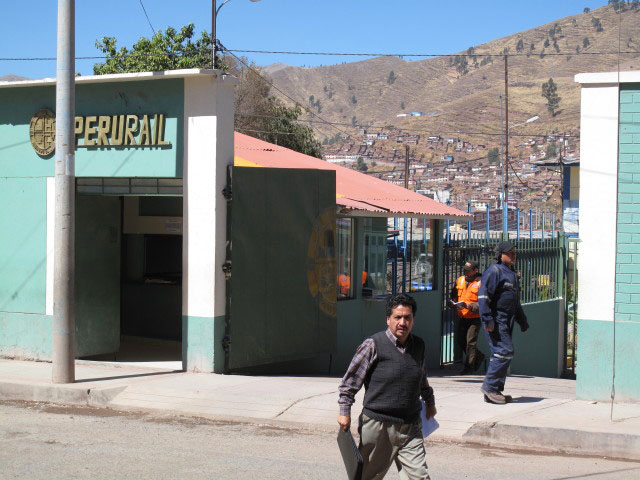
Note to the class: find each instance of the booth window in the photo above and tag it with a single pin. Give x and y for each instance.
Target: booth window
(420, 255)
(374, 271)
(344, 234)
(411, 264)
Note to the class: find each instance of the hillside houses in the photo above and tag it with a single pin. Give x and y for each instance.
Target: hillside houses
(459, 165)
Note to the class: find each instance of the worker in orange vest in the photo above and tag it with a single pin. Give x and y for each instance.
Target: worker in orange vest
(464, 297)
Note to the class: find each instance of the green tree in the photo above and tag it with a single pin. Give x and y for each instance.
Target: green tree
(257, 112)
(585, 42)
(391, 78)
(551, 150)
(520, 45)
(597, 24)
(549, 92)
(494, 155)
(360, 165)
(354, 100)
(586, 10)
(401, 105)
(546, 42)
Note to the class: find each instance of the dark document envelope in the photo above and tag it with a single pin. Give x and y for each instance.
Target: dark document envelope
(350, 455)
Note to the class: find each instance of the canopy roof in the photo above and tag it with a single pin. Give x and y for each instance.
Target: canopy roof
(357, 193)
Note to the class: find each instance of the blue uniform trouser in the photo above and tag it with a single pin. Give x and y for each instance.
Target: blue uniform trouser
(501, 348)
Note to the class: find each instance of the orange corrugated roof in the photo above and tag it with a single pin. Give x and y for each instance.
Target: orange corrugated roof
(354, 190)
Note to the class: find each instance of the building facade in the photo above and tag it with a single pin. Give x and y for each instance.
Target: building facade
(609, 230)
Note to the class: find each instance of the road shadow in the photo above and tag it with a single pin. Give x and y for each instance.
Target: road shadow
(120, 377)
(526, 399)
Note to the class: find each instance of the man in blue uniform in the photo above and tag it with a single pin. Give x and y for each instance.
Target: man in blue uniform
(499, 305)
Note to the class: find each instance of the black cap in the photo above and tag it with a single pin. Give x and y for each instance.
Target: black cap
(503, 247)
(470, 265)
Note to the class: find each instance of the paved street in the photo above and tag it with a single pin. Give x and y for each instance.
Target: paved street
(42, 441)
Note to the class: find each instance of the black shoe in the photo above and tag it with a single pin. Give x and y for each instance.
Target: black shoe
(466, 371)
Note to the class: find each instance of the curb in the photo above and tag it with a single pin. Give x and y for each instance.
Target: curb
(556, 440)
(59, 394)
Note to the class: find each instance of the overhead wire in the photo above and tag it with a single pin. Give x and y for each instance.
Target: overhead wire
(145, 14)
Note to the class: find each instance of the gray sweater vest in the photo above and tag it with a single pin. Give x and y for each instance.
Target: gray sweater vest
(393, 383)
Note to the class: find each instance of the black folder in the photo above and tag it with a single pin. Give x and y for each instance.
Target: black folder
(350, 455)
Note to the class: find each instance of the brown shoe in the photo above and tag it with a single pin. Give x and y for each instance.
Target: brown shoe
(494, 397)
(507, 398)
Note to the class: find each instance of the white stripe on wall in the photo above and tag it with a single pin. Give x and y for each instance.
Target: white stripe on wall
(598, 192)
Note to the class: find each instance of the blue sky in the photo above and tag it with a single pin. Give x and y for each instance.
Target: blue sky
(28, 27)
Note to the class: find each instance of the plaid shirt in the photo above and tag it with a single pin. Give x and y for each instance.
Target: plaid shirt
(362, 361)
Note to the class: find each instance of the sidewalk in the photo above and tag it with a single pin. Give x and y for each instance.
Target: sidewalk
(543, 416)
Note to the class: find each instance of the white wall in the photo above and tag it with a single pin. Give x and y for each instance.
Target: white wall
(208, 125)
(598, 200)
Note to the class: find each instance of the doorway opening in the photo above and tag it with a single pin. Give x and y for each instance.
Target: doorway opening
(148, 317)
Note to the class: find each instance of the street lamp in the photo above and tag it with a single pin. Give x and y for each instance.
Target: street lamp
(214, 39)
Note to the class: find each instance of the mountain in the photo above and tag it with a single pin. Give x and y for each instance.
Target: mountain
(461, 94)
(12, 78)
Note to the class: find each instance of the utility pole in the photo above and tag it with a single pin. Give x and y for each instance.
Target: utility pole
(503, 163)
(406, 166)
(506, 143)
(214, 38)
(64, 325)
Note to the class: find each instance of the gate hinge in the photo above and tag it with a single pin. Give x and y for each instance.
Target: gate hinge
(226, 342)
(226, 268)
(227, 193)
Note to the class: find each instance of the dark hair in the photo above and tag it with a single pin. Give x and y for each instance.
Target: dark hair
(401, 299)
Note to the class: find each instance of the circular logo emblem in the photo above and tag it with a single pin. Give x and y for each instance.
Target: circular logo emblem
(42, 131)
(321, 262)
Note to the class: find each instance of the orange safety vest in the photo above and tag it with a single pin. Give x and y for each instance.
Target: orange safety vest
(468, 294)
(344, 282)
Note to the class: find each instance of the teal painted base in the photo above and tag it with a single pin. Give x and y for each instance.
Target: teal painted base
(538, 351)
(25, 336)
(202, 344)
(595, 360)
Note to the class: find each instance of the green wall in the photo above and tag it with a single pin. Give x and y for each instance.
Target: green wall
(24, 328)
(18, 105)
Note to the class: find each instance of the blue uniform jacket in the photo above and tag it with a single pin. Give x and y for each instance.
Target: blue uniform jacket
(499, 297)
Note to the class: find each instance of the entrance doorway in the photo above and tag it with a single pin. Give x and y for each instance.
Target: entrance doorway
(142, 288)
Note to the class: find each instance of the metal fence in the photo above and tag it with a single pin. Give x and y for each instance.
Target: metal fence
(540, 264)
(571, 308)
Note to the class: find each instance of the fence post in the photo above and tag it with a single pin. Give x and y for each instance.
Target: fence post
(469, 221)
(394, 265)
(553, 224)
(487, 210)
(531, 224)
(518, 223)
(404, 256)
(543, 219)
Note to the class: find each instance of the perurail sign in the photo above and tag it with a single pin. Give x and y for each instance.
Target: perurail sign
(129, 131)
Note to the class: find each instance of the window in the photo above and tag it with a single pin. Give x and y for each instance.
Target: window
(374, 269)
(344, 234)
(420, 255)
(415, 271)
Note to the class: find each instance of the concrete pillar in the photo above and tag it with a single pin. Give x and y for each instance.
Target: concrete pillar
(208, 151)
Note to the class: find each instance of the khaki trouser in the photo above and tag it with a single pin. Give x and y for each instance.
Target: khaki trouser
(382, 443)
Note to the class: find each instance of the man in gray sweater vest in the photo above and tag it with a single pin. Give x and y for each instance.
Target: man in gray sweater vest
(391, 366)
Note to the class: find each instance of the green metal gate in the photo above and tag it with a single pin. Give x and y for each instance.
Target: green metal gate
(540, 263)
(283, 280)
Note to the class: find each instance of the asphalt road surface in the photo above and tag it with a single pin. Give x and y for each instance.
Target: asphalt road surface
(40, 441)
